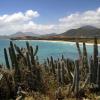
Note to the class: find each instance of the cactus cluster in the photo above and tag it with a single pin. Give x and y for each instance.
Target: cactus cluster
(24, 65)
(67, 71)
(17, 55)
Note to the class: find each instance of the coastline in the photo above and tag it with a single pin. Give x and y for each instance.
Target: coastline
(62, 41)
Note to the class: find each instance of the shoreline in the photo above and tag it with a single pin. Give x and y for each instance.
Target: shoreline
(61, 41)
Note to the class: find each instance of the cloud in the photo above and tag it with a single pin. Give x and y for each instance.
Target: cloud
(20, 21)
(90, 17)
(31, 14)
(24, 21)
(20, 17)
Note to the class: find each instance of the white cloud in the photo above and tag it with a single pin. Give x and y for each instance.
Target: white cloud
(30, 13)
(20, 21)
(20, 17)
(38, 28)
(91, 17)
(13, 23)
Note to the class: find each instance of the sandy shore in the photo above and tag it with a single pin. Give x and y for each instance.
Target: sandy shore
(64, 42)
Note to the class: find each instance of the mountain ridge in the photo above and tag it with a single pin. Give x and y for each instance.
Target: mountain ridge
(85, 31)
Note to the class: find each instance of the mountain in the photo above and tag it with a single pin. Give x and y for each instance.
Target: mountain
(51, 34)
(88, 27)
(85, 31)
(23, 34)
(47, 35)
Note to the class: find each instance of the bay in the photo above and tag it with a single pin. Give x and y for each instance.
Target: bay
(47, 48)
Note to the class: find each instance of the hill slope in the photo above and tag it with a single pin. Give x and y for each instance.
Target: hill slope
(85, 31)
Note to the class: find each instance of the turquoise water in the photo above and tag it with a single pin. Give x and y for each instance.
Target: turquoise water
(47, 49)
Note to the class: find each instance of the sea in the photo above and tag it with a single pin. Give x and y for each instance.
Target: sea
(48, 48)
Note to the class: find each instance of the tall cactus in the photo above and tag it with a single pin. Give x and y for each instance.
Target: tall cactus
(18, 50)
(13, 54)
(59, 73)
(91, 70)
(48, 60)
(80, 55)
(69, 65)
(98, 76)
(85, 67)
(28, 46)
(32, 56)
(79, 50)
(74, 80)
(6, 58)
(11, 57)
(37, 60)
(28, 61)
(77, 77)
(84, 50)
(62, 57)
(31, 52)
(48, 64)
(52, 65)
(62, 72)
(95, 59)
(36, 50)
(16, 66)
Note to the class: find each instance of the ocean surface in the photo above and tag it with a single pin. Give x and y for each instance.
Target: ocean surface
(48, 48)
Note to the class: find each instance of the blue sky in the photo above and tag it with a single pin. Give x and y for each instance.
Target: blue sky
(50, 10)
(49, 13)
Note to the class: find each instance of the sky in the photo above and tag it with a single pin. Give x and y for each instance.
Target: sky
(47, 16)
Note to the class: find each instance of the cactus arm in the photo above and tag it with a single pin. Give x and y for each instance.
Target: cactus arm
(36, 50)
(6, 58)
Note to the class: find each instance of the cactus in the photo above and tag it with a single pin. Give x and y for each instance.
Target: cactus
(36, 50)
(32, 56)
(30, 78)
(28, 46)
(48, 64)
(86, 81)
(16, 66)
(20, 53)
(37, 60)
(84, 50)
(79, 50)
(98, 76)
(69, 70)
(48, 60)
(85, 56)
(85, 68)
(91, 70)
(77, 77)
(31, 52)
(45, 65)
(62, 57)
(52, 65)
(62, 72)
(6, 58)
(59, 73)
(74, 80)
(95, 59)
(18, 50)
(28, 61)
(11, 57)
(13, 54)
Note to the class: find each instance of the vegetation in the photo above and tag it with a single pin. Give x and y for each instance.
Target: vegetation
(24, 78)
